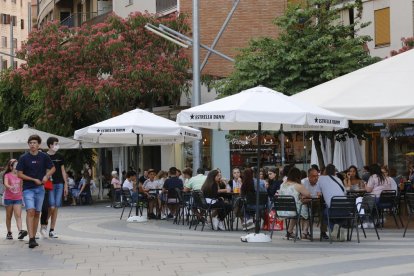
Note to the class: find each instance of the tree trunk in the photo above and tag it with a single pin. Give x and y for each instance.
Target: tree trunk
(318, 148)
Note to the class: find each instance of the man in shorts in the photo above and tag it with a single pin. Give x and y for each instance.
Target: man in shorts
(60, 184)
(35, 168)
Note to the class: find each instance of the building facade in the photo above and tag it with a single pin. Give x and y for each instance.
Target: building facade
(15, 21)
(73, 13)
(161, 7)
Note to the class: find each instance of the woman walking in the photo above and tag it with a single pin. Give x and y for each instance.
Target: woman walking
(13, 199)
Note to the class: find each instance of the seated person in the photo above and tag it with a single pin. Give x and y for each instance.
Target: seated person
(116, 184)
(210, 190)
(196, 182)
(293, 187)
(73, 191)
(149, 189)
(130, 184)
(169, 189)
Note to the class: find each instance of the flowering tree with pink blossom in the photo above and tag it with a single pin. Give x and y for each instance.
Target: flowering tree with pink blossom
(408, 44)
(77, 76)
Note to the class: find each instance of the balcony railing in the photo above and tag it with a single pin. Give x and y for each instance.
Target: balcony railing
(77, 19)
(165, 5)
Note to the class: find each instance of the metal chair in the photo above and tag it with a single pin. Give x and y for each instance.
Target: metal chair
(343, 208)
(200, 210)
(126, 201)
(285, 208)
(409, 199)
(388, 203)
(249, 205)
(367, 209)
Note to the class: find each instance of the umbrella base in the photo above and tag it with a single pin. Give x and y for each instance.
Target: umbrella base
(137, 219)
(253, 237)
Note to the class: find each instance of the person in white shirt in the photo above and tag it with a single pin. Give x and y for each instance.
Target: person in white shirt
(149, 189)
(130, 180)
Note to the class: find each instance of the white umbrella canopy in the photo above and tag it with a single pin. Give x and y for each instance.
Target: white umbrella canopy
(260, 108)
(124, 129)
(381, 92)
(243, 111)
(16, 140)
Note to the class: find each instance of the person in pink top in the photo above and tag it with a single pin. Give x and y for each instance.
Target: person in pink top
(13, 199)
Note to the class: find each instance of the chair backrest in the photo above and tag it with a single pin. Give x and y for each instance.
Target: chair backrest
(251, 198)
(199, 200)
(409, 199)
(388, 196)
(179, 194)
(368, 203)
(343, 205)
(284, 203)
(126, 195)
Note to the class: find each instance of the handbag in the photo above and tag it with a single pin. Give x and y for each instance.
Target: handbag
(48, 185)
(268, 222)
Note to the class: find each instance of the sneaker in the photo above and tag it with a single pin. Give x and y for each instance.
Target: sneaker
(152, 216)
(324, 236)
(289, 236)
(22, 234)
(250, 225)
(341, 235)
(221, 225)
(163, 216)
(52, 234)
(37, 236)
(334, 233)
(215, 223)
(32, 243)
(248, 222)
(9, 236)
(43, 230)
(170, 216)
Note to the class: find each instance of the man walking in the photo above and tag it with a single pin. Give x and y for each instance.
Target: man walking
(35, 168)
(60, 184)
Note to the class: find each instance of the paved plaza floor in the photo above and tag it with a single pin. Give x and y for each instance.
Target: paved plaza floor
(93, 241)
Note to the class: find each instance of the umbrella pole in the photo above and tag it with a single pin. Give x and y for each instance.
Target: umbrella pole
(137, 160)
(282, 146)
(259, 145)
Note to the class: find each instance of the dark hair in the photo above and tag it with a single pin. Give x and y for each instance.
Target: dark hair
(376, 169)
(315, 167)
(70, 174)
(275, 171)
(201, 171)
(248, 182)
(303, 174)
(330, 169)
(286, 169)
(393, 172)
(34, 137)
(209, 182)
(356, 171)
(130, 173)
(152, 171)
(294, 175)
(51, 140)
(312, 169)
(172, 171)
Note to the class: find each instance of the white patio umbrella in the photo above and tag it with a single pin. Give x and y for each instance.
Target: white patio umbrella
(260, 108)
(381, 92)
(16, 140)
(137, 127)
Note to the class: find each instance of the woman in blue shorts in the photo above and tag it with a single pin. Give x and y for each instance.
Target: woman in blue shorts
(13, 199)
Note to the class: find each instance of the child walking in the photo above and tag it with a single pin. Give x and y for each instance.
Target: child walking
(13, 199)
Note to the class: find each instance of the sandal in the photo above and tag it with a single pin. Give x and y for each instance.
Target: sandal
(290, 235)
(306, 236)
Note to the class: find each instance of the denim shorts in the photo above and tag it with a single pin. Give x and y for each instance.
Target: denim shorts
(55, 195)
(11, 202)
(33, 198)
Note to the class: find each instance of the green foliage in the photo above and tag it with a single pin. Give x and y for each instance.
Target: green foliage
(313, 47)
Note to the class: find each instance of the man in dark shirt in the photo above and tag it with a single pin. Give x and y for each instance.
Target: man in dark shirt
(169, 188)
(35, 168)
(60, 183)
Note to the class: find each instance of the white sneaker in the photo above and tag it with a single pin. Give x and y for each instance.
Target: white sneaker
(342, 235)
(221, 225)
(334, 233)
(250, 225)
(37, 236)
(43, 231)
(52, 234)
(215, 223)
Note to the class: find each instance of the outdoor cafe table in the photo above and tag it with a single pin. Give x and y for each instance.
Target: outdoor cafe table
(356, 193)
(315, 205)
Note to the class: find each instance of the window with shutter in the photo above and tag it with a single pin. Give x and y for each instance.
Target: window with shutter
(382, 27)
(22, 24)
